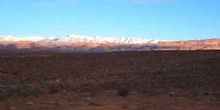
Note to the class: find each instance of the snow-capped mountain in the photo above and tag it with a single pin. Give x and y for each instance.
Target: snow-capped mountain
(74, 43)
(8, 38)
(27, 38)
(69, 39)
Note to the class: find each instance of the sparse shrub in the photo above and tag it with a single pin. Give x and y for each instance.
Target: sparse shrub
(123, 92)
(4, 96)
(91, 87)
(27, 92)
(95, 104)
(194, 93)
(207, 93)
(53, 90)
(56, 88)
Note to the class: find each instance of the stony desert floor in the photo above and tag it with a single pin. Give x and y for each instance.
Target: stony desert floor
(150, 80)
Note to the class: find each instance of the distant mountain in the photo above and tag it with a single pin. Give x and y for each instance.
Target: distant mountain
(73, 43)
(28, 38)
(69, 39)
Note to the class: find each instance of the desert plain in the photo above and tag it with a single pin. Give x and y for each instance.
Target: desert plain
(145, 80)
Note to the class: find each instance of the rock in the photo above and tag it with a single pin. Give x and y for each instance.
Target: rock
(88, 98)
(12, 108)
(30, 103)
(57, 80)
(171, 94)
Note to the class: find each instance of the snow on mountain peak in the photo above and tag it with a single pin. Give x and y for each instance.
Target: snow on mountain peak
(28, 38)
(97, 39)
(69, 39)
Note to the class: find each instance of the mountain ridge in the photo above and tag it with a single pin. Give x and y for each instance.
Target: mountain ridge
(72, 43)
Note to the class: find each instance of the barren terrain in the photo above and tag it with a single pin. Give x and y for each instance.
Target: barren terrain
(147, 80)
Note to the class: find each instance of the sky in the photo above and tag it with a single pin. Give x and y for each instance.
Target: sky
(150, 19)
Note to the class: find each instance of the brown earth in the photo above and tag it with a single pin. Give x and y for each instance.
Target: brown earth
(154, 80)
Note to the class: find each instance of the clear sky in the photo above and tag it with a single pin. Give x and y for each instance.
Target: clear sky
(150, 19)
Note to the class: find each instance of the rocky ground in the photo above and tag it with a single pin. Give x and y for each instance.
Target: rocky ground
(152, 80)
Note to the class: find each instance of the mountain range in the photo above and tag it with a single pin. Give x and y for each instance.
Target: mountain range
(74, 43)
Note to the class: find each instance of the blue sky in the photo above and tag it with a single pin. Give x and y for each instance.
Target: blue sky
(150, 19)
